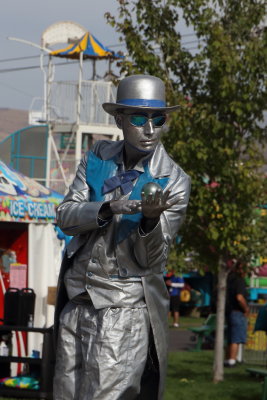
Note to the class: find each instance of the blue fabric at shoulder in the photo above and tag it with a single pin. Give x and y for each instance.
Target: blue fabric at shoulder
(97, 171)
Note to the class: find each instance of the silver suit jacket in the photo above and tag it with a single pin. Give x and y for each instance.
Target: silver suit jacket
(137, 254)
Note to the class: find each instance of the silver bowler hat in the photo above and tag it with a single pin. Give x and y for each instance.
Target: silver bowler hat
(140, 92)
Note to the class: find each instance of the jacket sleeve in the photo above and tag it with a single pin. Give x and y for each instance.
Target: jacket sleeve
(76, 214)
(153, 248)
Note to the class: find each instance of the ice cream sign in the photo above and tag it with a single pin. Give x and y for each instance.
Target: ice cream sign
(24, 200)
(22, 209)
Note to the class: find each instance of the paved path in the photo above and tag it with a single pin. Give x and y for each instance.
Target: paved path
(181, 339)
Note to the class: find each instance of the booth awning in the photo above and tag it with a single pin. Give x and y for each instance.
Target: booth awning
(89, 46)
(22, 199)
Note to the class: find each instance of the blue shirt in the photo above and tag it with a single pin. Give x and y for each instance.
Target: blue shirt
(177, 285)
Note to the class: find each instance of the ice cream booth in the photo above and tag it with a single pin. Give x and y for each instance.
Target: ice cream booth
(30, 251)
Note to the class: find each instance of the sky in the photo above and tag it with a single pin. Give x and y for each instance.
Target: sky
(27, 19)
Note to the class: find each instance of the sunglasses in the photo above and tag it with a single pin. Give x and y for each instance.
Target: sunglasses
(141, 120)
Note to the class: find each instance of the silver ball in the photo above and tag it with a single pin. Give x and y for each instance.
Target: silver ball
(151, 188)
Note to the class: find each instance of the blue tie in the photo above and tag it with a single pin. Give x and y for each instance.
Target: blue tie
(123, 180)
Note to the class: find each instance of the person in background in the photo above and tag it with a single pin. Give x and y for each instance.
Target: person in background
(174, 284)
(237, 311)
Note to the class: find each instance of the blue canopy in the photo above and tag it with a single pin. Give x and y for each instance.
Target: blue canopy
(90, 47)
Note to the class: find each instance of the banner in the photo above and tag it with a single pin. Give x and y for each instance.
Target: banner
(24, 200)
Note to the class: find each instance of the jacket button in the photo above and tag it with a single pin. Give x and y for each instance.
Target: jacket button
(124, 272)
(88, 286)
(93, 260)
(89, 273)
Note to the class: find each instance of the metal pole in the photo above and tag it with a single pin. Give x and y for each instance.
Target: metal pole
(30, 43)
(48, 157)
(94, 70)
(45, 84)
(108, 99)
(78, 147)
(80, 88)
(49, 83)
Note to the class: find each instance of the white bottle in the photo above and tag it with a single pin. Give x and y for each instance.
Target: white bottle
(4, 350)
(30, 321)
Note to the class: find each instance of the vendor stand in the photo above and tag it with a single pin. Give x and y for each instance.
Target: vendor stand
(30, 251)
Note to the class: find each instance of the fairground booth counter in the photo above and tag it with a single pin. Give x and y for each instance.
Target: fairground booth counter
(30, 249)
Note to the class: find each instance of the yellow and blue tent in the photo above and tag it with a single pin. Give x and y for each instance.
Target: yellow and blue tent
(90, 47)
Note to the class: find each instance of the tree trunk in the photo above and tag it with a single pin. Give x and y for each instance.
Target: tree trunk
(218, 371)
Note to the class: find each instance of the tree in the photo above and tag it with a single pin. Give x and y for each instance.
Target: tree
(218, 134)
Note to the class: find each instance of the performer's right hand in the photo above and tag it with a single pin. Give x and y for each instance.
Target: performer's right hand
(125, 206)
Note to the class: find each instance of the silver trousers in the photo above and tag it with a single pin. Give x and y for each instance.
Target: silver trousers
(101, 354)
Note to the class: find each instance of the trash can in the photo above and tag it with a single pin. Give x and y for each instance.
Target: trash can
(19, 307)
(11, 306)
(26, 309)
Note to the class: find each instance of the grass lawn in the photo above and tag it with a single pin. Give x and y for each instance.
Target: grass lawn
(190, 378)
(187, 322)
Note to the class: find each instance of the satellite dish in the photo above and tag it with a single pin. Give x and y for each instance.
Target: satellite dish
(62, 32)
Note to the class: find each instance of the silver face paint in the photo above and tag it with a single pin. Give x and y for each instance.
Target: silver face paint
(142, 138)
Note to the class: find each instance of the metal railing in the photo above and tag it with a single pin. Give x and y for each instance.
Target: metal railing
(63, 102)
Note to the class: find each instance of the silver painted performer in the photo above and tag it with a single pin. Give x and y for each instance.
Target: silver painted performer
(112, 302)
